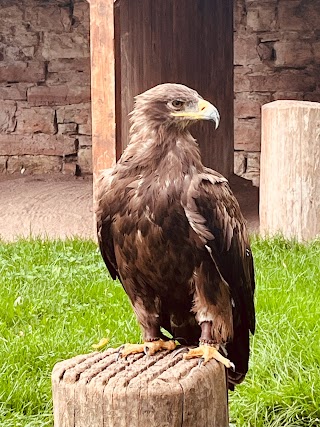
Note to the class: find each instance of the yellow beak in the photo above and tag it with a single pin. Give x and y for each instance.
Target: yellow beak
(204, 111)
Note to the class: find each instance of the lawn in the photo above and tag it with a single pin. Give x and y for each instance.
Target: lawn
(56, 300)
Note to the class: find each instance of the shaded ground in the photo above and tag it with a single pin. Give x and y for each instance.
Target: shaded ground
(61, 206)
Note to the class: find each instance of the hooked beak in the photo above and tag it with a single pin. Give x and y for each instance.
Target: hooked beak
(204, 111)
(208, 111)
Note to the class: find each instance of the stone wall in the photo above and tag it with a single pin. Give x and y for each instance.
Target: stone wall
(45, 78)
(45, 122)
(277, 56)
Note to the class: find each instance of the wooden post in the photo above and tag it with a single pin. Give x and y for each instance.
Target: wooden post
(102, 84)
(95, 390)
(290, 169)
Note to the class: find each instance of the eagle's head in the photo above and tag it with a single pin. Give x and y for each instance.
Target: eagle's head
(172, 104)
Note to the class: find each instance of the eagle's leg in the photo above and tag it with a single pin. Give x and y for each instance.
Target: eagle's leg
(152, 344)
(207, 349)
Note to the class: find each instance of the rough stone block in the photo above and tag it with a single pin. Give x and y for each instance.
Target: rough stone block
(81, 16)
(78, 113)
(265, 51)
(287, 95)
(37, 144)
(316, 50)
(85, 129)
(293, 54)
(84, 140)
(313, 96)
(3, 164)
(34, 164)
(19, 72)
(7, 116)
(14, 91)
(239, 14)
(67, 64)
(259, 97)
(285, 80)
(65, 45)
(69, 168)
(241, 79)
(245, 50)
(20, 37)
(28, 52)
(85, 160)
(298, 15)
(35, 120)
(247, 135)
(15, 53)
(58, 95)
(67, 128)
(10, 14)
(269, 37)
(239, 162)
(252, 176)
(253, 163)
(71, 78)
(48, 17)
(261, 16)
(246, 108)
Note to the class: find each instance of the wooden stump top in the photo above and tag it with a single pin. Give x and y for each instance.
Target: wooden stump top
(95, 390)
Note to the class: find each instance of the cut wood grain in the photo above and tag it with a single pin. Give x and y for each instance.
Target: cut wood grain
(290, 169)
(95, 390)
(102, 84)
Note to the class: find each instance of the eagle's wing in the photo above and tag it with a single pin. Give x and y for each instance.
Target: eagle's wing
(104, 205)
(214, 214)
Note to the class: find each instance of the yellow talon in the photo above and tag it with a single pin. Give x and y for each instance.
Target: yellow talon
(208, 352)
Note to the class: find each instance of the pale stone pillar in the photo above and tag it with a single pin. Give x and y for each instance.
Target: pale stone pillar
(290, 169)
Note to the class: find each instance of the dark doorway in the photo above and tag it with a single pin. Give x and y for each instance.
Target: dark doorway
(178, 41)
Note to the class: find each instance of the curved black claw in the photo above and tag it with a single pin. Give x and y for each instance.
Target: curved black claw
(232, 366)
(146, 350)
(179, 351)
(119, 353)
(201, 360)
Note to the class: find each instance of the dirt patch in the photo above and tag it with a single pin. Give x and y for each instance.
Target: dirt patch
(45, 205)
(58, 206)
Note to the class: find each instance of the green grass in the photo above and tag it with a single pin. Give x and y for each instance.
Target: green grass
(56, 300)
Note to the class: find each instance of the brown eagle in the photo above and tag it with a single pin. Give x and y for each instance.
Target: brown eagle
(171, 230)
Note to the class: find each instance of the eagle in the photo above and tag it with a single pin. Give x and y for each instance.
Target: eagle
(171, 230)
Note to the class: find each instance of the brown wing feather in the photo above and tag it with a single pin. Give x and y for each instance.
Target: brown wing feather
(105, 200)
(214, 214)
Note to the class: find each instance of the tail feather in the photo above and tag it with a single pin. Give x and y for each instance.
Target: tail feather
(238, 352)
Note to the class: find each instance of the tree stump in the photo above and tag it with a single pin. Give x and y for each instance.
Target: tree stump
(290, 169)
(95, 390)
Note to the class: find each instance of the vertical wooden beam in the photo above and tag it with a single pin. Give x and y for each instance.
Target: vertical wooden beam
(290, 169)
(102, 85)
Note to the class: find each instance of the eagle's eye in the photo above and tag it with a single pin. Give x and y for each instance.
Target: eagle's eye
(177, 104)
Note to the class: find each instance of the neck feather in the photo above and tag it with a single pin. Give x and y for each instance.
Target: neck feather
(165, 147)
